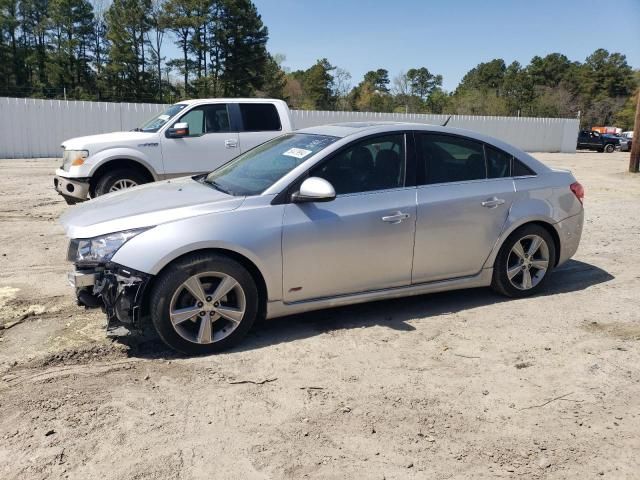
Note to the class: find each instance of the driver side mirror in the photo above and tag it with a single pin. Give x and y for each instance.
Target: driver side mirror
(314, 189)
(179, 130)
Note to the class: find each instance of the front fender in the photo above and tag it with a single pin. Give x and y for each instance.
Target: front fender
(125, 153)
(253, 232)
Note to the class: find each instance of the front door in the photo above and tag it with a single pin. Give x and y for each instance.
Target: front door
(463, 204)
(362, 240)
(210, 142)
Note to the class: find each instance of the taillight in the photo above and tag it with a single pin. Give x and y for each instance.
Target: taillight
(578, 191)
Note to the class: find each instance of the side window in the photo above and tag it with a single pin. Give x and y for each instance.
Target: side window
(498, 163)
(195, 119)
(206, 119)
(374, 164)
(260, 117)
(447, 158)
(520, 169)
(216, 118)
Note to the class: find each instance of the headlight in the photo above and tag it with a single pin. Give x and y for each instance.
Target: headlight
(102, 249)
(73, 158)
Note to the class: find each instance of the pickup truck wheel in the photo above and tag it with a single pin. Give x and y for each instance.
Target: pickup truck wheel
(609, 147)
(119, 180)
(203, 304)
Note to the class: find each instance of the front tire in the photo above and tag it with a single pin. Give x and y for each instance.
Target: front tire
(524, 262)
(204, 303)
(119, 179)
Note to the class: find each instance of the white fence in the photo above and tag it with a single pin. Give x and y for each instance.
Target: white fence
(35, 128)
(529, 134)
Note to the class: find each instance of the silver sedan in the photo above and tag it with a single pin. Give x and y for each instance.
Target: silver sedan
(325, 216)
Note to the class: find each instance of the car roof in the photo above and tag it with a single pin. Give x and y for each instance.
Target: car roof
(228, 100)
(346, 129)
(362, 129)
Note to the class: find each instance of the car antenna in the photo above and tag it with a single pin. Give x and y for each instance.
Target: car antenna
(446, 121)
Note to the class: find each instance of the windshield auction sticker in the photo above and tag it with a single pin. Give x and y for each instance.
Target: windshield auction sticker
(297, 152)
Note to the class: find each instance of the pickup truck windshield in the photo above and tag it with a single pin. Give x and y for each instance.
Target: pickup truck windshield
(256, 170)
(158, 121)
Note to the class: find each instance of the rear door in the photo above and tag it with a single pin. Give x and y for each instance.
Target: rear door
(211, 142)
(258, 122)
(463, 203)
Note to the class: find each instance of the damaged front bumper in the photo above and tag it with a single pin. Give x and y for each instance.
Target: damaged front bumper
(117, 289)
(73, 190)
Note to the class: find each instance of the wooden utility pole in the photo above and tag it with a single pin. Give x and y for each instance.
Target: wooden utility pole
(634, 158)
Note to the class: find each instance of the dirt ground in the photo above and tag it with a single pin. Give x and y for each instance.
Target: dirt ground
(456, 385)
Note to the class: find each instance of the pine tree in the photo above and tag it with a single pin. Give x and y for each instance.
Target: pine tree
(243, 38)
(181, 21)
(127, 25)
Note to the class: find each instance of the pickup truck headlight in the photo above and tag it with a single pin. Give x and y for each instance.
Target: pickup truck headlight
(73, 158)
(102, 249)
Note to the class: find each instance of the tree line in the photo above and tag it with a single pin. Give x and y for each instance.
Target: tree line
(117, 51)
(601, 90)
(84, 50)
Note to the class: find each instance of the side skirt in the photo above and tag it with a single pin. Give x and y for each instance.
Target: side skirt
(280, 308)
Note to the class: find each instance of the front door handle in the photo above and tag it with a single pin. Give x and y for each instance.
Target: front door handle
(396, 217)
(492, 202)
(231, 143)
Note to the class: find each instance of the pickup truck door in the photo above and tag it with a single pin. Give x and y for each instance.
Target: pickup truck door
(595, 140)
(211, 142)
(259, 122)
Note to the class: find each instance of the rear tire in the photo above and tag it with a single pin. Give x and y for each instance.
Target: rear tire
(119, 179)
(524, 262)
(203, 304)
(609, 148)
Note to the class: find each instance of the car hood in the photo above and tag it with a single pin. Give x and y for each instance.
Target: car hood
(145, 206)
(115, 139)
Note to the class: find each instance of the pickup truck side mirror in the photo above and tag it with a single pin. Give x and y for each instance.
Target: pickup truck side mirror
(179, 130)
(314, 189)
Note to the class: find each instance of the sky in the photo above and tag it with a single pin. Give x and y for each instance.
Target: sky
(448, 37)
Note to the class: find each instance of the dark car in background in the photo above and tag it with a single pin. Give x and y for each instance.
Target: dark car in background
(588, 140)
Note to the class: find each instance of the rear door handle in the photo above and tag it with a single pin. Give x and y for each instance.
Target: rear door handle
(231, 143)
(396, 217)
(492, 202)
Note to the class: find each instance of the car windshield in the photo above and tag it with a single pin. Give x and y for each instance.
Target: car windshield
(158, 121)
(256, 170)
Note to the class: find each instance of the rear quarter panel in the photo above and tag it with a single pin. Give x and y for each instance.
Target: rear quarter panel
(541, 198)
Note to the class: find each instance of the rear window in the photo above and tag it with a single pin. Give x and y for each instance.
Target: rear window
(448, 158)
(520, 169)
(260, 117)
(498, 162)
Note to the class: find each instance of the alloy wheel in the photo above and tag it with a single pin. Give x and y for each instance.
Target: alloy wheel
(122, 184)
(207, 307)
(528, 262)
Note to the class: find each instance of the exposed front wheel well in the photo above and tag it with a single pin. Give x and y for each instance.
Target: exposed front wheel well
(116, 165)
(241, 259)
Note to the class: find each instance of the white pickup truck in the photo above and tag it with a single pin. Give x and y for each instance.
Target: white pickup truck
(190, 137)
